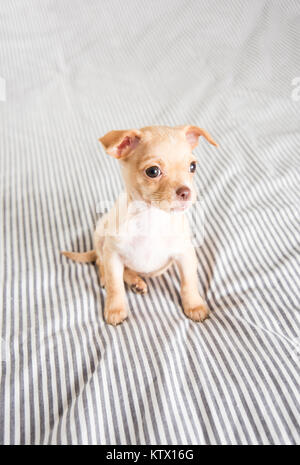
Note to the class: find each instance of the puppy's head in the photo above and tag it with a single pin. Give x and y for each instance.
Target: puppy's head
(157, 163)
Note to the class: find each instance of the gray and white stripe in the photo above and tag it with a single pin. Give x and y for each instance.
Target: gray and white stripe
(74, 71)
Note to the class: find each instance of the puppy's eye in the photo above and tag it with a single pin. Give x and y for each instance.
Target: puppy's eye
(153, 172)
(193, 167)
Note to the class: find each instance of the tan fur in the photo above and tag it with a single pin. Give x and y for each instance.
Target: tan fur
(122, 254)
(85, 257)
(130, 277)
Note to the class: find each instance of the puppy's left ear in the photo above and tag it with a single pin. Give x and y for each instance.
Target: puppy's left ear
(192, 134)
(119, 144)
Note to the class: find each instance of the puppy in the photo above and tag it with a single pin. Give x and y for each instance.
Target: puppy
(146, 231)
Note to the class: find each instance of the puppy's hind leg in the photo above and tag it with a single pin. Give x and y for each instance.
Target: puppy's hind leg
(133, 280)
(130, 277)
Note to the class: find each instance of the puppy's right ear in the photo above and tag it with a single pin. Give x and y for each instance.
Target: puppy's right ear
(120, 144)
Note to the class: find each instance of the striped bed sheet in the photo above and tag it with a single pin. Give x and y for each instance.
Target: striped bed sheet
(71, 71)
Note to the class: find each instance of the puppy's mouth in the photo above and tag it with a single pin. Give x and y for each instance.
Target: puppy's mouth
(179, 206)
(173, 206)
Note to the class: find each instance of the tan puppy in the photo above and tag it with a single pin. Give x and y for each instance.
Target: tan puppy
(146, 230)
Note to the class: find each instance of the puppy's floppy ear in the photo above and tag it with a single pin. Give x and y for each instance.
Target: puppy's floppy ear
(192, 134)
(120, 144)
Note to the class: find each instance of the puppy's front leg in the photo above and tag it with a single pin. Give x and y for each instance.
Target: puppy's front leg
(115, 310)
(193, 305)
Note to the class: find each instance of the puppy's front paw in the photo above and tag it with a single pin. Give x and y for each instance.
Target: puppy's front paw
(115, 316)
(199, 313)
(139, 286)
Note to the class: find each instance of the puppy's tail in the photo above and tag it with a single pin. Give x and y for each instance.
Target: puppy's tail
(85, 257)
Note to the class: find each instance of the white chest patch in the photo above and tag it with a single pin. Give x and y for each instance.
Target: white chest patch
(149, 239)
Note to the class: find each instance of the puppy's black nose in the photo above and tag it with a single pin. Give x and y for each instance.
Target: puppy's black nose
(184, 193)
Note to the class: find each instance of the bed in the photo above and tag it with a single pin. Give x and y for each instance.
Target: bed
(71, 71)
